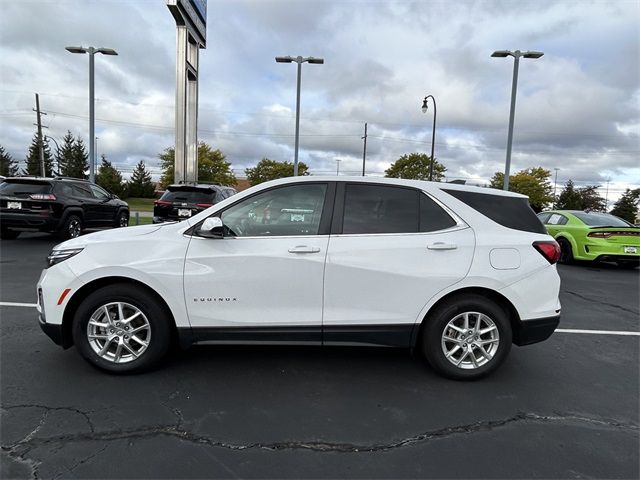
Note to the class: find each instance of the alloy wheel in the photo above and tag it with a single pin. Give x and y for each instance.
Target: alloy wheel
(470, 340)
(118, 332)
(124, 220)
(74, 228)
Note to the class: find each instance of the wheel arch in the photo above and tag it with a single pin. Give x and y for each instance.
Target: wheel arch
(75, 301)
(493, 295)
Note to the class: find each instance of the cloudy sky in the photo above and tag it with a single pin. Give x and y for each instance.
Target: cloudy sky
(578, 107)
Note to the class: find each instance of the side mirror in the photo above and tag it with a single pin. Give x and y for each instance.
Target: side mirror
(212, 227)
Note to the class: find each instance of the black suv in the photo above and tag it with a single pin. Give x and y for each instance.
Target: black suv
(59, 205)
(182, 201)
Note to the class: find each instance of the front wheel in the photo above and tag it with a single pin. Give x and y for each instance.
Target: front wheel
(122, 220)
(467, 337)
(122, 329)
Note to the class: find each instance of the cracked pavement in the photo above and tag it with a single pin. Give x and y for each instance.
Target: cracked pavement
(564, 408)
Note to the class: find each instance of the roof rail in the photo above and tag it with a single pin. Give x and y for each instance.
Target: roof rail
(62, 177)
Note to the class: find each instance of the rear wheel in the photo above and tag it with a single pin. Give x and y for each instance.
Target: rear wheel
(6, 234)
(121, 329)
(566, 252)
(122, 220)
(72, 227)
(467, 337)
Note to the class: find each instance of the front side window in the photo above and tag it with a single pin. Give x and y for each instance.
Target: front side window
(284, 211)
(380, 209)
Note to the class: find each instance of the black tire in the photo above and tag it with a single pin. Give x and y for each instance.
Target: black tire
(566, 252)
(158, 319)
(628, 264)
(122, 219)
(6, 234)
(71, 228)
(435, 327)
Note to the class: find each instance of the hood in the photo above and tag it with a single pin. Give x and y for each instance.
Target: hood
(112, 235)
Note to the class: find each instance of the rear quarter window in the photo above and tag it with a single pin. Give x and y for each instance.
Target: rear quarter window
(510, 212)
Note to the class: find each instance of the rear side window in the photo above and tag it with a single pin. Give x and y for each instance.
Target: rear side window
(556, 219)
(189, 195)
(81, 191)
(380, 209)
(510, 212)
(23, 188)
(432, 216)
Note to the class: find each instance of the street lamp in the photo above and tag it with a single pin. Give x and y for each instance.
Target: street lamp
(91, 51)
(516, 55)
(47, 138)
(433, 133)
(299, 60)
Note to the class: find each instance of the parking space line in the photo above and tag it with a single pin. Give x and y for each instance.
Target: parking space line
(18, 304)
(598, 332)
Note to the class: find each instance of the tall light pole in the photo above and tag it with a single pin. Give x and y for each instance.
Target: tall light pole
(338, 166)
(92, 127)
(433, 133)
(516, 55)
(299, 60)
(555, 185)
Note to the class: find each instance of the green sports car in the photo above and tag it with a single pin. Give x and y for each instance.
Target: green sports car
(593, 236)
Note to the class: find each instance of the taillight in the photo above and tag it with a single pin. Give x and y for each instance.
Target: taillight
(161, 202)
(599, 234)
(204, 205)
(549, 249)
(42, 196)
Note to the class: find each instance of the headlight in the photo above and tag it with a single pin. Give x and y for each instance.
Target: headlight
(57, 256)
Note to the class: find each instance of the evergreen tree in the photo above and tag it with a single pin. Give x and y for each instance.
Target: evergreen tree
(33, 158)
(64, 155)
(109, 178)
(415, 166)
(627, 205)
(212, 166)
(584, 198)
(8, 166)
(569, 198)
(77, 163)
(140, 184)
(267, 170)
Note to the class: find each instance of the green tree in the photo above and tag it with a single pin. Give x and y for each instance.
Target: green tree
(267, 170)
(33, 158)
(569, 198)
(532, 182)
(627, 205)
(415, 166)
(76, 161)
(65, 154)
(583, 198)
(140, 185)
(212, 166)
(8, 166)
(109, 178)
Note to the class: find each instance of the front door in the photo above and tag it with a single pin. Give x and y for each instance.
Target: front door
(264, 279)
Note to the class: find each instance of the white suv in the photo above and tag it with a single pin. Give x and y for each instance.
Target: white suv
(458, 272)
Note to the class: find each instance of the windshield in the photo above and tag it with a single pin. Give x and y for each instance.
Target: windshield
(23, 188)
(189, 195)
(601, 220)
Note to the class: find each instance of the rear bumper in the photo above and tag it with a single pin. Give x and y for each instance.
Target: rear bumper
(618, 258)
(535, 330)
(24, 221)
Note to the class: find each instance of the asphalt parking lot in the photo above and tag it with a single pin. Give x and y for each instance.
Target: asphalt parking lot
(564, 408)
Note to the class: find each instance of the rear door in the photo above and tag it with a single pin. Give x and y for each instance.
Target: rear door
(391, 250)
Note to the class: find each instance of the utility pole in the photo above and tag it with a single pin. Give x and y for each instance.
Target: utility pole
(555, 185)
(40, 140)
(338, 166)
(364, 150)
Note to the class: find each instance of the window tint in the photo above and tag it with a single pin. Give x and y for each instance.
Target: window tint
(292, 210)
(189, 195)
(23, 188)
(380, 209)
(543, 217)
(601, 219)
(556, 219)
(81, 191)
(99, 193)
(510, 212)
(432, 216)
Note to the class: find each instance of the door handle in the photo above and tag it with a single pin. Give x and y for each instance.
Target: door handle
(442, 246)
(304, 249)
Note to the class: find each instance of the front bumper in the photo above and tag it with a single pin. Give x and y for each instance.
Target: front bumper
(53, 331)
(535, 330)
